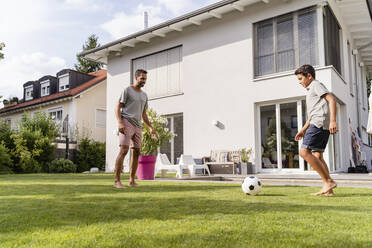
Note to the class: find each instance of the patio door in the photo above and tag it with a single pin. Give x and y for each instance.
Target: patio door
(279, 124)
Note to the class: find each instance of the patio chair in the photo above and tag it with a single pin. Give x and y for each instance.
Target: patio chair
(162, 163)
(187, 160)
(267, 163)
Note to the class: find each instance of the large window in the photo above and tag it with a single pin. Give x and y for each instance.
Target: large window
(164, 72)
(286, 42)
(174, 148)
(332, 39)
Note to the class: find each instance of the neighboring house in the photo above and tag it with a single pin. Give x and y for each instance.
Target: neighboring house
(223, 75)
(76, 97)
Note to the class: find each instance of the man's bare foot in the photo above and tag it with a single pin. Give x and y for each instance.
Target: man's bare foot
(132, 184)
(118, 185)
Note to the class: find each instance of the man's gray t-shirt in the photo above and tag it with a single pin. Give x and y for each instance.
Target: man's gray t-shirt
(317, 106)
(135, 102)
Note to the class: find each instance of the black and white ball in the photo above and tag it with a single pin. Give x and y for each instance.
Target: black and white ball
(251, 185)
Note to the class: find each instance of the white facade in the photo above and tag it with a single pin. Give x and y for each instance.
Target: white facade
(217, 83)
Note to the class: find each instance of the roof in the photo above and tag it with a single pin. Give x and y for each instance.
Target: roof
(100, 76)
(357, 13)
(196, 17)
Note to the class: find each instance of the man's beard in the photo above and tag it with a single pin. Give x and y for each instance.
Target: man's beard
(141, 85)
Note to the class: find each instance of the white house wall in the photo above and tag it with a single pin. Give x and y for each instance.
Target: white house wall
(218, 83)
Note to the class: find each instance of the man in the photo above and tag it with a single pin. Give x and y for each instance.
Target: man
(321, 122)
(130, 109)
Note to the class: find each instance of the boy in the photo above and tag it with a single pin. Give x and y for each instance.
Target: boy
(321, 111)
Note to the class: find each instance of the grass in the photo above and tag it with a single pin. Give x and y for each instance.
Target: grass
(83, 210)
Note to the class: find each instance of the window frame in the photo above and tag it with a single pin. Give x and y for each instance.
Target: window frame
(294, 15)
(66, 86)
(45, 84)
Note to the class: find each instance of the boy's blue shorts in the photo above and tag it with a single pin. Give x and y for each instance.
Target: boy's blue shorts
(315, 139)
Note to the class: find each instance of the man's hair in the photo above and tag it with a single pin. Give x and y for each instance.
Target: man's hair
(306, 69)
(139, 72)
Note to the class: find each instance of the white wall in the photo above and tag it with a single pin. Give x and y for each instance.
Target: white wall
(217, 81)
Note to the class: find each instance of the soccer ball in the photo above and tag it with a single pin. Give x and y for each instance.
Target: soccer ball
(251, 185)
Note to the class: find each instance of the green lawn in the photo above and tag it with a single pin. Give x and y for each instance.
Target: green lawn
(83, 210)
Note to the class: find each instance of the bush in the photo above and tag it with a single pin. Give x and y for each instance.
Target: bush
(91, 154)
(5, 160)
(62, 166)
(33, 149)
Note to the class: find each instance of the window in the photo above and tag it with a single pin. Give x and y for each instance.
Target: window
(56, 114)
(174, 148)
(63, 82)
(101, 118)
(164, 72)
(332, 40)
(286, 42)
(29, 93)
(45, 88)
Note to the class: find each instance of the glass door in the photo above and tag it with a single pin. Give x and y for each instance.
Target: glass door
(279, 124)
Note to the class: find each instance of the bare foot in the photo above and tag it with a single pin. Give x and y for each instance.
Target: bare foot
(118, 185)
(318, 193)
(329, 186)
(132, 184)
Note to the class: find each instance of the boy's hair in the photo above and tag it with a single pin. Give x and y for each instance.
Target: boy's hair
(139, 72)
(306, 69)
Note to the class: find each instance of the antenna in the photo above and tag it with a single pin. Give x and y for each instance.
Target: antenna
(146, 19)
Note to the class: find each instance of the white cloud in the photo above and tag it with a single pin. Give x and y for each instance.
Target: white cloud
(124, 24)
(178, 7)
(16, 21)
(19, 69)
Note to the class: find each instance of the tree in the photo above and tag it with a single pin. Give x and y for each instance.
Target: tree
(2, 45)
(85, 65)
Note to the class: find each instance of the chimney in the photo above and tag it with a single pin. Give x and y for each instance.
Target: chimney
(146, 19)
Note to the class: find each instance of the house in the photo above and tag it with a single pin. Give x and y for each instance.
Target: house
(72, 97)
(224, 77)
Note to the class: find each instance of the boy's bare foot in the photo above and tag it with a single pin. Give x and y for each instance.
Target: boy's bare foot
(118, 185)
(132, 184)
(329, 193)
(329, 186)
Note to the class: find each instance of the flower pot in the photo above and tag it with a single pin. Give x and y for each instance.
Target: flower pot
(146, 167)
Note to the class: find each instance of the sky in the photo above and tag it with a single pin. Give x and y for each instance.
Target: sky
(43, 37)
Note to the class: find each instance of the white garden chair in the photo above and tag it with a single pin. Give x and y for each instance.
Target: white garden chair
(187, 160)
(163, 164)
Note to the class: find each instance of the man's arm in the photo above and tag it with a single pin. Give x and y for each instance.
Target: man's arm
(333, 110)
(118, 117)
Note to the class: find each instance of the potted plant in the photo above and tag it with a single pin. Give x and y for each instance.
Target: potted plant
(147, 159)
(246, 167)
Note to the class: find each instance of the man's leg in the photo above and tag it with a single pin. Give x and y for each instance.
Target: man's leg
(328, 183)
(119, 165)
(134, 165)
(319, 155)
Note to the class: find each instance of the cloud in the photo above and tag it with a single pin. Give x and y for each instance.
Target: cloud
(19, 69)
(178, 7)
(124, 24)
(130, 21)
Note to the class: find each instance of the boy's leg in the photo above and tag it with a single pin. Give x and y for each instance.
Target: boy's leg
(119, 166)
(319, 155)
(317, 165)
(133, 166)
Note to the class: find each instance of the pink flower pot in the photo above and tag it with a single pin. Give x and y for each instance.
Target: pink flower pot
(146, 167)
